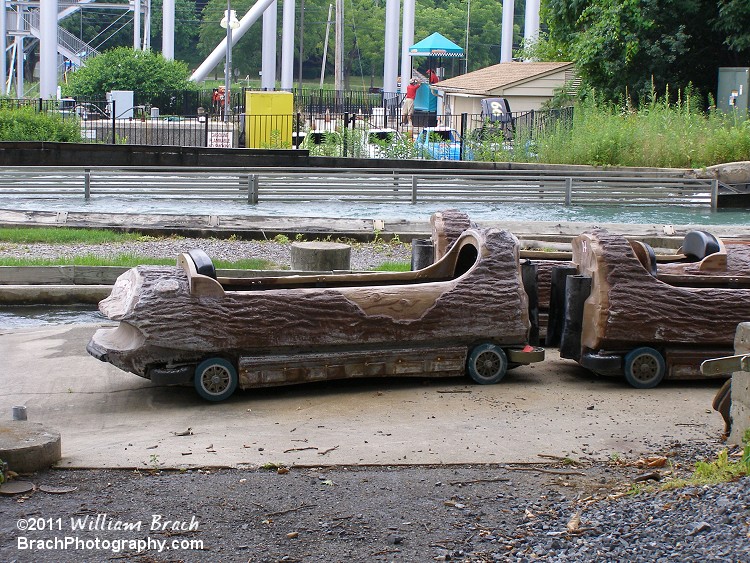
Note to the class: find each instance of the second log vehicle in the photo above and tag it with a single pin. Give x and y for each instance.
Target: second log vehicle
(627, 315)
(466, 313)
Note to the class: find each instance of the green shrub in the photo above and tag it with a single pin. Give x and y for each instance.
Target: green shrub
(26, 124)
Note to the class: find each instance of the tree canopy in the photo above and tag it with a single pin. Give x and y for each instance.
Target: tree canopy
(145, 72)
(635, 46)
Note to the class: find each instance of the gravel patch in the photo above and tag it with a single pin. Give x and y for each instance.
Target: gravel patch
(364, 256)
(513, 513)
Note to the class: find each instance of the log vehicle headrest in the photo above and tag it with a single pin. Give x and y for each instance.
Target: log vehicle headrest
(646, 255)
(699, 244)
(203, 264)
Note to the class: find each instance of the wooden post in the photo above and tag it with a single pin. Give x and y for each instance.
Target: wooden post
(568, 191)
(414, 189)
(321, 256)
(714, 194)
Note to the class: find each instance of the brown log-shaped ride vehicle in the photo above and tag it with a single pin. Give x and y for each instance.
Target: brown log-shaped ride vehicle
(465, 313)
(626, 314)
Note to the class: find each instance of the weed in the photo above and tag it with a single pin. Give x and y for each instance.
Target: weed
(271, 466)
(299, 237)
(281, 239)
(154, 463)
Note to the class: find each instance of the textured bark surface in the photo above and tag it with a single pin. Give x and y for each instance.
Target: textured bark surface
(447, 226)
(629, 307)
(487, 303)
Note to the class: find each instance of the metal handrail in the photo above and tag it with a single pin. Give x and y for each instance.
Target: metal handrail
(409, 185)
(75, 46)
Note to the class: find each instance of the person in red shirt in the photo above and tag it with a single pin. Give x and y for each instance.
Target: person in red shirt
(407, 111)
(432, 75)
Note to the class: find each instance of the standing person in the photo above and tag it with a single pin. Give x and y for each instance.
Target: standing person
(407, 111)
(432, 76)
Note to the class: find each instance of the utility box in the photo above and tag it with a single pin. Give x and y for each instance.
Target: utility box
(269, 120)
(121, 102)
(732, 95)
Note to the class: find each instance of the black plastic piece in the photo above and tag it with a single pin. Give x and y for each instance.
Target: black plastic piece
(699, 244)
(610, 364)
(203, 264)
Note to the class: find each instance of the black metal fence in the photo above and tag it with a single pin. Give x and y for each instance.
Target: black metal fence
(366, 128)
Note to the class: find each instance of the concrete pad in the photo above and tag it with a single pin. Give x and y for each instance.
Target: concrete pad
(109, 418)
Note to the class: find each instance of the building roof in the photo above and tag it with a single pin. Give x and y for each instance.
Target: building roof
(490, 79)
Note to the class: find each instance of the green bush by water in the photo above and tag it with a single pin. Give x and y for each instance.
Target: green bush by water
(26, 124)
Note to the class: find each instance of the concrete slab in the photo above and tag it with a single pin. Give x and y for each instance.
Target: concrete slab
(108, 418)
(28, 446)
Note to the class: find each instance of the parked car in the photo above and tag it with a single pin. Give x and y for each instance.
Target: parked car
(648, 321)
(466, 313)
(440, 143)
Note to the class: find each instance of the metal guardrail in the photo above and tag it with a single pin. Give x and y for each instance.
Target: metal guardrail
(366, 185)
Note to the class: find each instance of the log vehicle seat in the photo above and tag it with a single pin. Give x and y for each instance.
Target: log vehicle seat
(203, 264)
(699, 244)
(646, 255)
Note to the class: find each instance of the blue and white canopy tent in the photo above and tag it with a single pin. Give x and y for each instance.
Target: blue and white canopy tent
(436, 46)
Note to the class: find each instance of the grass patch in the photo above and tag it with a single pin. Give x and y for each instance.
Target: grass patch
(393, 267)
(130, 260)
(64, 235)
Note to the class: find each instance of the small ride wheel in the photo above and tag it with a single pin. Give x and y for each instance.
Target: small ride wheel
(644, 368)
(215, 379)
(487, 364)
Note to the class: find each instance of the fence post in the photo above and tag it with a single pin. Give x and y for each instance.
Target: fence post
(298, 140)
(87, 184)
(568, 191)
(205, 131)
(346, 128)
(414, 189)
(714, 194)
(252, 188)
(464, 117)
(114, 123)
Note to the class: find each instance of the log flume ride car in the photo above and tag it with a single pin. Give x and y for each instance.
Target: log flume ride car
(466, 313)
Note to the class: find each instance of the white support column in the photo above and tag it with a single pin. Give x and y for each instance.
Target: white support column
(390, 63)
(147, 27)
(19, 53)
(268, 56)
(531, 22)
(287, 45)
(506, 46)
(338, 65)
(3, 44)
(136, 25)
(217, 54)
(407, 40)
(167, 25)
(47, 49)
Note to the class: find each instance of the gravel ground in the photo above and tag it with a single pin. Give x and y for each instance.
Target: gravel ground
(521, 513)
(364, 255)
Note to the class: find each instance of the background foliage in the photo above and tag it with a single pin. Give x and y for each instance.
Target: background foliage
(26, 124)
(145, 72)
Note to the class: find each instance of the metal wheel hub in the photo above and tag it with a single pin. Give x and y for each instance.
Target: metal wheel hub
(487, 364)
(645, 367)
(215, 379)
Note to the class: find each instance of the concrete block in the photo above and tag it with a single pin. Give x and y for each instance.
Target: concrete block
(740, 411)
(320, 256)
(28, 446)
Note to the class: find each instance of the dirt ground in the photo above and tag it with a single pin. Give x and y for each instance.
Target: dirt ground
(418, 513)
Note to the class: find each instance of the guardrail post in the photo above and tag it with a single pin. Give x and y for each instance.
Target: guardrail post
(414, 189)
(568, 190)
(87, 184)
(714, 194)
(252, 189)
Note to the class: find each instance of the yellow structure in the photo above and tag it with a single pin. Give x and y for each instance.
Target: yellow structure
(269, 118)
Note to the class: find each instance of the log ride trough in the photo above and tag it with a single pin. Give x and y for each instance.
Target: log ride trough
(467, 312)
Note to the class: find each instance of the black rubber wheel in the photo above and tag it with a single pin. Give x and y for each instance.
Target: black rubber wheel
(215, 379)
(644, 368)
(487, 364)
